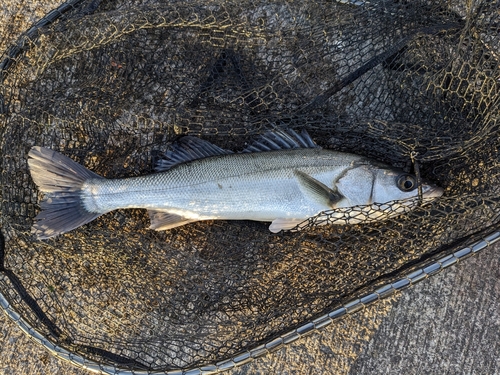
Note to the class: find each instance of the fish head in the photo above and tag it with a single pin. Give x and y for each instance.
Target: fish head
(373, 183)
(392, 184)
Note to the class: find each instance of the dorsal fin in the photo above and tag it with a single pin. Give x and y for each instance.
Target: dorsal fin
(281, 140)
(188, 149)
(191, 148)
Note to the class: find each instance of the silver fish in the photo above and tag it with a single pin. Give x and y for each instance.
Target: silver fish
(283, 178)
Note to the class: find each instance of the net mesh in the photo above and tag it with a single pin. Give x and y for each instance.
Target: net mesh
(414, 84)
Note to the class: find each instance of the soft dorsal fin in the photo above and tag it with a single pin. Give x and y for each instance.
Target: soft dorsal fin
(281, 140)
(188, 149)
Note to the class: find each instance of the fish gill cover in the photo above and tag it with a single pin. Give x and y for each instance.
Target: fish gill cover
(413, 84)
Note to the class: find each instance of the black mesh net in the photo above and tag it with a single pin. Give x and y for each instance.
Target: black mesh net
(414, 84)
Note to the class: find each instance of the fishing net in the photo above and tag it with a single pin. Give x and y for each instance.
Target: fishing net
(414, 84)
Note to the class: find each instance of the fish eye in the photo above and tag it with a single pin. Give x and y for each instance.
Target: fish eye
(406, 182)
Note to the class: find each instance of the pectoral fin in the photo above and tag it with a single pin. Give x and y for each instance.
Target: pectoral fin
(165, 220)
(317, 191)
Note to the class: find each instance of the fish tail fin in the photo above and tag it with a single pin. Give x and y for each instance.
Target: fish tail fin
(61, 180)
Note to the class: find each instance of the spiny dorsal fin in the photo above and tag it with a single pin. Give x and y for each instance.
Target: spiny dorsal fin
(188, 149)
(281, 140)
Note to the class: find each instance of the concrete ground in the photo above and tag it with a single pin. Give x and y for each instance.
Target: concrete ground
(448, 324)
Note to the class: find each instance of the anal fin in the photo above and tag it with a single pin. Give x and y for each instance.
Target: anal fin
(161, 220)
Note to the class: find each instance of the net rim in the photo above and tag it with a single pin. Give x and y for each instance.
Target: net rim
(356, 304)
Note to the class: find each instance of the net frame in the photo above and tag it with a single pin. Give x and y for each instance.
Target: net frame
(351, 307)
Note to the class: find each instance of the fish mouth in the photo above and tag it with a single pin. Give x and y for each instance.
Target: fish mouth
(434, 192)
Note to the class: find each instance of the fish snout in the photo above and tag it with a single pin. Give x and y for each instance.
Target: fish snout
(433, 192)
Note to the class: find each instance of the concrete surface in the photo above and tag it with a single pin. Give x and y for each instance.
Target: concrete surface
(447, 324)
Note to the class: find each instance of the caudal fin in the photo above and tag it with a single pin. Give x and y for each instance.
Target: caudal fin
(61, 180)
